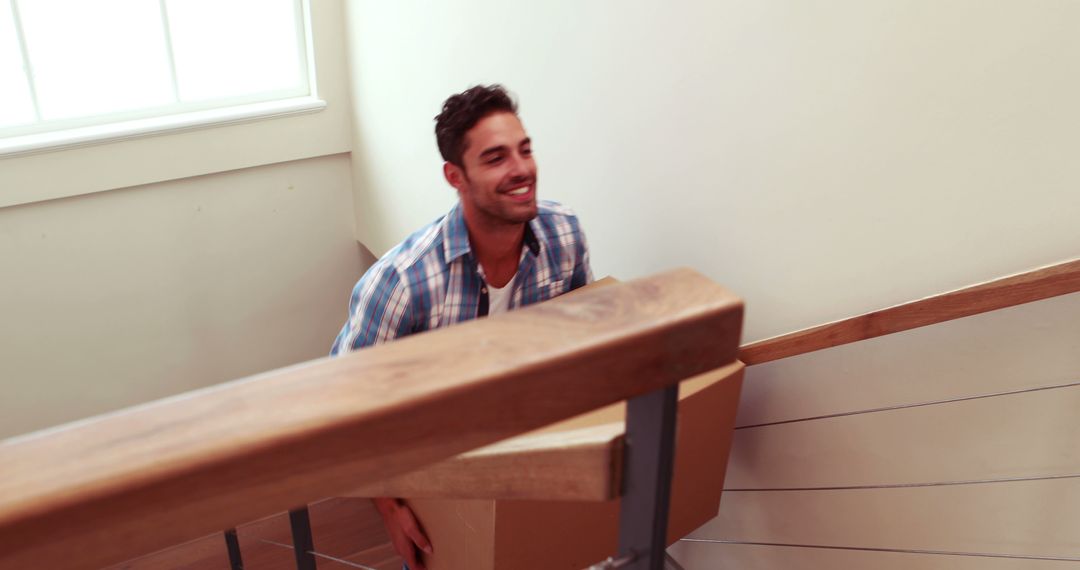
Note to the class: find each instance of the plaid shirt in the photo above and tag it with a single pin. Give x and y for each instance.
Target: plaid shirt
(432, 279)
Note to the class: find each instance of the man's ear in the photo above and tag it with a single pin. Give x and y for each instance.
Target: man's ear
(454, 175)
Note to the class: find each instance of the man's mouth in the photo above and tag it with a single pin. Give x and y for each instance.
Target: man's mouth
(521, 193)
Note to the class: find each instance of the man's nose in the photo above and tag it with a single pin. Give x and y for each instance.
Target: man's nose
(520, 167)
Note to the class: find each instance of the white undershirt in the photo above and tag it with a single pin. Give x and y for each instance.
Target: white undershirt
(499, 298)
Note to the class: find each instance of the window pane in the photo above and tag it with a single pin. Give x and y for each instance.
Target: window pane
(96, 57)
(16, 105)
(220, 53)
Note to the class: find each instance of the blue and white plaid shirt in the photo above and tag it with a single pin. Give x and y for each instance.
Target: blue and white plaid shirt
(432, 279)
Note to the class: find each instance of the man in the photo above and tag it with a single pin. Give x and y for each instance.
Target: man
(497, 249)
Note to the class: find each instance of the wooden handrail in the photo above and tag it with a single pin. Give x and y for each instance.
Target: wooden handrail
(576, 465)
(577, 460)
(1043, 283)
(107, 489)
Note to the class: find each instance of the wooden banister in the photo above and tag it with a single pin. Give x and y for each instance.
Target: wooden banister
(576, 460)
(107, 489)
(1043, 283)
(578, 465)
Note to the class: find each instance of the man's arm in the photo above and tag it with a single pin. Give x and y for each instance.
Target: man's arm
(583, 274)
(379, 310)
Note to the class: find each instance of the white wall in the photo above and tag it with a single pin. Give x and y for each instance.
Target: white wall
(985, 398)
(822, 159)
(178, 260)
(126, 296)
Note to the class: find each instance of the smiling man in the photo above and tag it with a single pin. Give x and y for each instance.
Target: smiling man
(497, 249)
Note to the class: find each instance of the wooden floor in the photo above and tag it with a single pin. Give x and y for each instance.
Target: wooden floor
(344, 528)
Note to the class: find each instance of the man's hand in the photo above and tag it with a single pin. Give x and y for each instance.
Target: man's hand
(404, 531)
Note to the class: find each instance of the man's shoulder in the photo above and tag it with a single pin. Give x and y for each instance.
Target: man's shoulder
(554, 210)
(423, 246)
(556, 221)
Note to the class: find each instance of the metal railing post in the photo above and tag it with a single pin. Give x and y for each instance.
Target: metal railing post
(303, 544)
(650, 458)
(232, 545)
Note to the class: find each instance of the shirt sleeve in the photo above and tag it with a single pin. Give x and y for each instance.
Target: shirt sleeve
(583, 274)
(378, 310)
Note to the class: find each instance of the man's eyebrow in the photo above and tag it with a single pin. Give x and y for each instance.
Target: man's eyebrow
(493, 150)
(503, 148)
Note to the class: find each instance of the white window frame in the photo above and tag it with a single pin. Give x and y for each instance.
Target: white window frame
(226, 144)
(72, 133)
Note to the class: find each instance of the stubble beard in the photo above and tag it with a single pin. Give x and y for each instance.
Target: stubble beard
(497, 213)
(509, 216)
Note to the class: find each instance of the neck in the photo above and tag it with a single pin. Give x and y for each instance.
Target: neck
(497, 247)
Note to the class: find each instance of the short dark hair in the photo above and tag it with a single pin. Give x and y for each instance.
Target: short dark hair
(462, 111)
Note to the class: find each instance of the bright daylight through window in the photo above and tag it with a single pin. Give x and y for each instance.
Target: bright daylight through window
(71, 65)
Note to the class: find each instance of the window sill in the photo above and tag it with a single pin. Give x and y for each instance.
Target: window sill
(98, 134)
(194, 144)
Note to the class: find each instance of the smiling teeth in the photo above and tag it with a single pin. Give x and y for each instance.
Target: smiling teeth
(519, 191)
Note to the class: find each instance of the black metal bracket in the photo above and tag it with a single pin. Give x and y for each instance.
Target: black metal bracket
(648, 467)
(232, 544)
(303, 544)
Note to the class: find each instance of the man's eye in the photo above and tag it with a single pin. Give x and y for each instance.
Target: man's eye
(495, 160)
(526, 152)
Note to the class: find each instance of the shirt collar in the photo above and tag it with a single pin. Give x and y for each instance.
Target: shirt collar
(456, 235)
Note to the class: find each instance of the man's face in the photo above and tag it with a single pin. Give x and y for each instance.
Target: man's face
(498, 183)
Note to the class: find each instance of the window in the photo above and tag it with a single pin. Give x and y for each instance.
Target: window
(91, 69)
